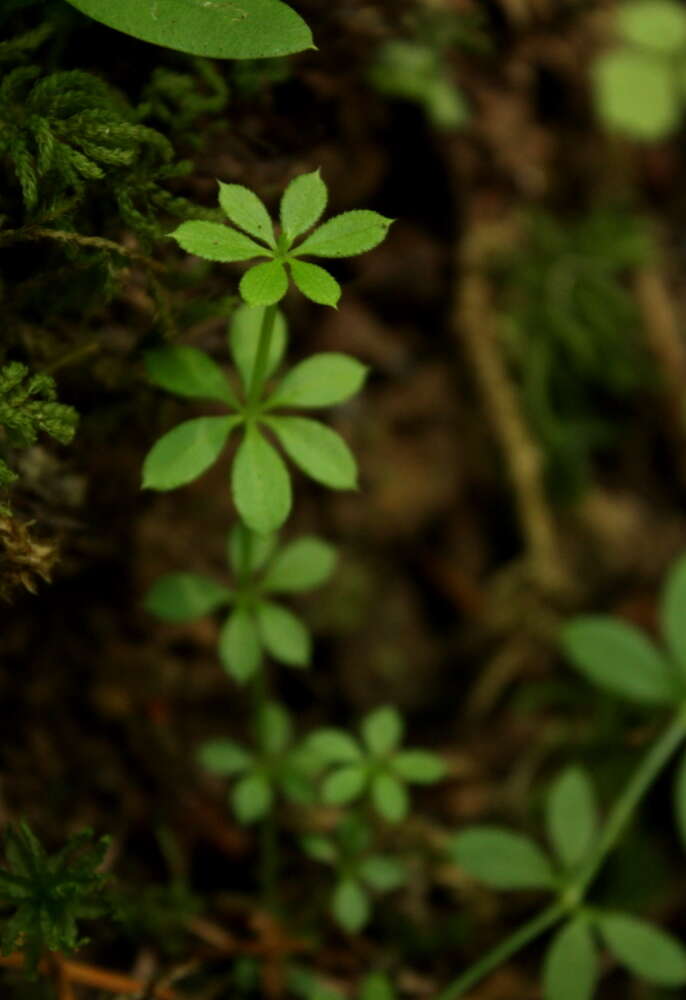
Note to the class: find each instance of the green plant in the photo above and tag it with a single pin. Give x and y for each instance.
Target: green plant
(415, 72)
(618, 657)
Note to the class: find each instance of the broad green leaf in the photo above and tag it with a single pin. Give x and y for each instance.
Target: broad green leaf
(239, 645)
(389, 797)
(182, 597)
(213, 241)
(333, 746)
(617, 656)
(185, 452)
(216, 29)
(283, 635)
(636, 93)
(647, 951)
(418, 766)
(570, 969)
(350, 906)
(242, 207)
(320, 452)
(247, 551)
(344, 785)
(382, 873)
(382, 730)
(252, 798)
(188, 372)
(274, 727)
(224, 757)
(346, 235)
(680, 799)
(305, 563)
(260, 483)
(264, 284)
(673, 614)
(655, 24)
(319, 848)
(571, 816)
(502, 859)
(315, 283)
(303, 204)
(376, 986)
(321, 380)
(244, 337)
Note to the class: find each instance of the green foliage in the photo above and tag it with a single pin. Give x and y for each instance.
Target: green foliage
(28, 406)
(49, 894)
(572, 334)
(570, 968)
(415, 72)
(638, 85)
(375, 767)
(256, 624)
(219, 29)
(303, 202)
(572, 817)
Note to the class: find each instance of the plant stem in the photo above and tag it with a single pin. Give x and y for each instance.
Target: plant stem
(647, 771)
(261, 357)
(269, 840)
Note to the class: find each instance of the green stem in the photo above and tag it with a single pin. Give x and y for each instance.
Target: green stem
(269, 840)
(258, 374)
(653, 762)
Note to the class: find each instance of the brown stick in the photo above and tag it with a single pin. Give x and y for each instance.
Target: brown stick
(92, 975)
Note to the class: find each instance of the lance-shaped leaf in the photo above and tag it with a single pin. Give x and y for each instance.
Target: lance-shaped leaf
(248, 551)
(244, 337)
(264, 284)
(382, 730)
(617, 656)
(315, 282)
(283, 635)
(239, 645)
(673, 614)
(570, 970)
(382, 873)
(418, 766)
(389, 797)
(216, 29)
(224, 758)
(305, 563)
(252, 798)
(345, 235)
(571, 816)
(345, 784)
(183, 597)
(332, 746)
(261, 484)
(185, 452)
(320, 452)
(242, 207)
(350, 905)
(303, 204)
(275, 728)
(644, 949)
(321, 380)
(188, 372)
(502, 859)
(212, 241)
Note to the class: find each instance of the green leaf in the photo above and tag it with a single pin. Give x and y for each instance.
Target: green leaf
(185, 452)
(264, 284)
(183, 597)
(332, 746)
(346, 235)
(376, 986)
(303, 204)
(350, 906)
(344, 785)
(617, 656)
(502, 859)
(213, 241)
(319, 848)
(216, 29)
(647, 951)
(284, 635)
(239, 645)
(244, 337)
(382, 873)
(321, 380)
(673, 614)
(571, 816)
(418, 766)
(188, 372)
(315, 283)
(636, 93)
(274, 727)
(317, 450)
(260, 483)
(655, 24)
(305, 563)
(246, 544)
(570, 969)
(382, 730)
(242, 207)
(224, 757)
(252, 798)
(389, 797)
(680, 799)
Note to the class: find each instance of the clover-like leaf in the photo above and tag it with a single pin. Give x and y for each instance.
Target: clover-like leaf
(244, 337)
(305, 563)
(571, 966)
(321, 380)
(350, 905)
(239, 645)
(303, 204)
(264, 284)
(224, 758)
(644, 949)
(185, 452)
(260, 483)
(320, 452)
(183, 597)
(502, 859)
(242, 207)
(283, 634)
(571, 816)
(315, 282)
(346, 235)
(382, 729)
(188, 372)
(252, 798)
(213, 241)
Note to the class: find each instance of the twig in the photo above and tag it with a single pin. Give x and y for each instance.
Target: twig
(92, 975)
(35, 233)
